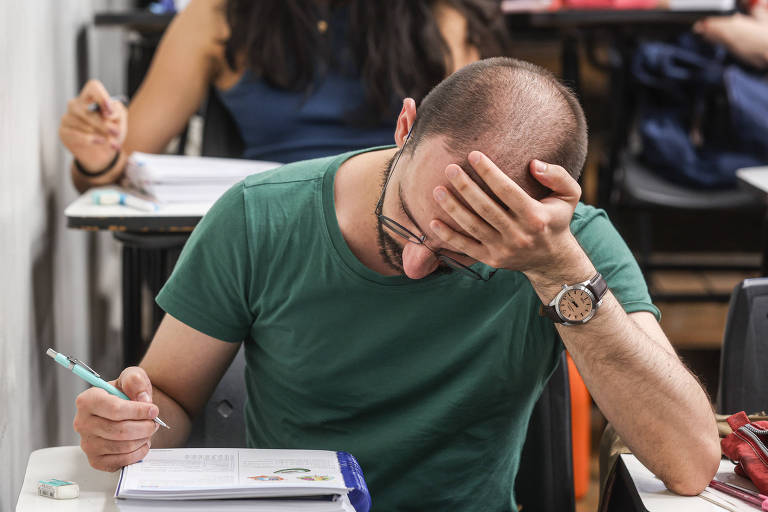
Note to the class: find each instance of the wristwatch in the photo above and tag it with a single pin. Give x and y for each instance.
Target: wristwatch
(576, 303)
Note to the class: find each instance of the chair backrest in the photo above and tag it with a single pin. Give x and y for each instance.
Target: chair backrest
(221, 135)
(544, 481)
(222, 422)
(744, 356)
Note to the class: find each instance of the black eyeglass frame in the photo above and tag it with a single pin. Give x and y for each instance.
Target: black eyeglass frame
(410, 236)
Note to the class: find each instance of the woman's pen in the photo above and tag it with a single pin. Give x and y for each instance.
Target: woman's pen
(83, 371)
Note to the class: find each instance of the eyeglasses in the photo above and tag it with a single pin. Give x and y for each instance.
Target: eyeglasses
(413, 238)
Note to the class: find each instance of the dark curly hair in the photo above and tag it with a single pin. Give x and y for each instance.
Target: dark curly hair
(396, 44)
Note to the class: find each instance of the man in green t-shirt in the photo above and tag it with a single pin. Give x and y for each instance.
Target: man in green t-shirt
(389, 304)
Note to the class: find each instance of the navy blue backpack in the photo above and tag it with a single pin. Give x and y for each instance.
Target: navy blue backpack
(701, 115)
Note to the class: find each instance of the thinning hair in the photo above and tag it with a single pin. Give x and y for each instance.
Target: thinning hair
(511, 110)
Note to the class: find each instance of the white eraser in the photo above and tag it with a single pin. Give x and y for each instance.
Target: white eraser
(58, 489)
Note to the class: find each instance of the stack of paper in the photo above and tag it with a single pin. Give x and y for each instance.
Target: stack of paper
(188, 179)
(261, 480)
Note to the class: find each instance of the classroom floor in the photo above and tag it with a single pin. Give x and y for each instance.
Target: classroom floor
(694, 328)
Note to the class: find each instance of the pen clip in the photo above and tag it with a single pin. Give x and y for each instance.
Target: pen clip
(80, 363)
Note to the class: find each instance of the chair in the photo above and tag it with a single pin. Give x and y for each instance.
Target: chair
(638, 193)
(544, 482)
(221, 136)
(744, 356)
(222, 422)
(632, 192)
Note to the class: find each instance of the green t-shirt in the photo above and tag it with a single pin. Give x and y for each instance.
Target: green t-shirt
(429, 383)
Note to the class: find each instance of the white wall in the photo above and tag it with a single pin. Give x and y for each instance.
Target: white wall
(56, 285)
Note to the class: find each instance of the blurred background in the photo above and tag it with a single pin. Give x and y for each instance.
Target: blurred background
(695, 229)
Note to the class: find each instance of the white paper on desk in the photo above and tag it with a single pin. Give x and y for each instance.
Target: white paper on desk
(177, 178)
(207, 473)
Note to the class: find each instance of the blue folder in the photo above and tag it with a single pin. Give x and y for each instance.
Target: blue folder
(354, 479)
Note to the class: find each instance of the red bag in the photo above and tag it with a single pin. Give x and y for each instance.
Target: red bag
(747, 446)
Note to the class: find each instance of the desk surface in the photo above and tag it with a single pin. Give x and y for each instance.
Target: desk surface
(67, 463)
(97, 487)
(754, 177)
(656, 497)
(173, 217)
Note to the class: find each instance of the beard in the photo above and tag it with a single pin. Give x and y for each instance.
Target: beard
(390, 250)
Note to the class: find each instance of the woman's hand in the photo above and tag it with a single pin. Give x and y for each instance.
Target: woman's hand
(94, 136)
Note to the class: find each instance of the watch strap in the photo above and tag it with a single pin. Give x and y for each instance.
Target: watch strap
(551, 313)
(598, 286)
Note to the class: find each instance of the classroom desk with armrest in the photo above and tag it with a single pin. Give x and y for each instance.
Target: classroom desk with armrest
(97, 488)
(636, 489)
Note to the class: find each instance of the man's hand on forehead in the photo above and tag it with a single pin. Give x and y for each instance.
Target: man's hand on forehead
(527, 235)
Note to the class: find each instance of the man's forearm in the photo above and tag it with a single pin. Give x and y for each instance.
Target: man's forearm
(640, 385)
(175, 417)
(656, 405)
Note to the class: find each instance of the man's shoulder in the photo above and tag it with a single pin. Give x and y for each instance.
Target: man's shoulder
(291, 174)
(284, 188)
(588, 217)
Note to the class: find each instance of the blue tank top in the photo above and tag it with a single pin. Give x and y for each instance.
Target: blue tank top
(286, 126)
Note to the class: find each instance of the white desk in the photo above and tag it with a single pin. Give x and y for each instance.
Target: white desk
(656, 498)
(172, 217)
(97, 488)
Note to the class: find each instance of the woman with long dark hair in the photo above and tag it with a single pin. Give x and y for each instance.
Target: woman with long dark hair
(301, 78)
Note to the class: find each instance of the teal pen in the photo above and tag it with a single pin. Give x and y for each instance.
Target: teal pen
(86, 373)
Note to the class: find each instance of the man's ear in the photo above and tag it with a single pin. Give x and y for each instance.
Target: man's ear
(405, 121)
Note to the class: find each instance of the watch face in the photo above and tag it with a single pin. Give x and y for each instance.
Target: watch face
(576, 305)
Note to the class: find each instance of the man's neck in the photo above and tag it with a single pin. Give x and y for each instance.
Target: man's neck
(357, 187)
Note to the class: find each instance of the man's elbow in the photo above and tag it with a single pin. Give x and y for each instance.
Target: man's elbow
(697, 471)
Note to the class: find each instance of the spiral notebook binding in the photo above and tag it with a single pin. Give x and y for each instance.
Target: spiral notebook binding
(354, 479)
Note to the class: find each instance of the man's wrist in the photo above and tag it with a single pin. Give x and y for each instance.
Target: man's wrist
(572, 265)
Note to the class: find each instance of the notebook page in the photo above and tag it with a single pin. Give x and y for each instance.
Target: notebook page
(204, 472)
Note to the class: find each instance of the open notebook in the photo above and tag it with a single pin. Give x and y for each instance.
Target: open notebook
(260, 480)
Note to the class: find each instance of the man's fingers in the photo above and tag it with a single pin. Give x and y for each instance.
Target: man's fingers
(459, 242)
(135, 383)
(114, 462)
(502, 185)
(490, 211)
(101, 403)
(476, 227)
(557, 179)
(95, 444)
(126, 430)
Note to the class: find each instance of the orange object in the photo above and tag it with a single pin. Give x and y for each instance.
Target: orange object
(581, 404)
